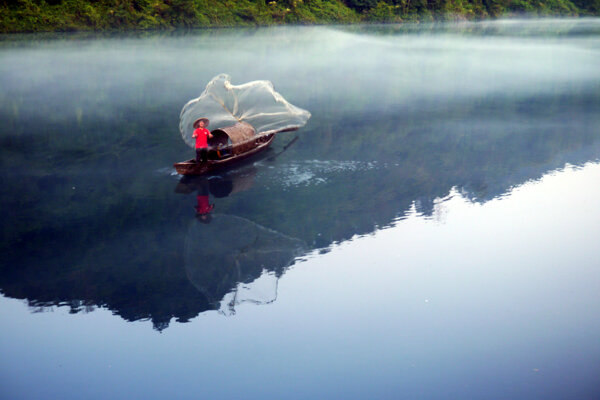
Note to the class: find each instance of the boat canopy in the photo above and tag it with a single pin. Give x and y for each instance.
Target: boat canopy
(239, 136)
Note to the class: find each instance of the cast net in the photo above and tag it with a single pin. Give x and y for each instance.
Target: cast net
(226, 257)
(256, 103)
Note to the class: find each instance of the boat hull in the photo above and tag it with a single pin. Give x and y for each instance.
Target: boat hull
(191, 167)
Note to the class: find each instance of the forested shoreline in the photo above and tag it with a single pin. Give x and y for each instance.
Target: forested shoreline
(100, 15)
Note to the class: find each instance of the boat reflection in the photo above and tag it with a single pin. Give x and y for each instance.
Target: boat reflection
(230, 259)
(219, 185)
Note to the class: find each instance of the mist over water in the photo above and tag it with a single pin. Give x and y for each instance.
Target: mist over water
(430, 233)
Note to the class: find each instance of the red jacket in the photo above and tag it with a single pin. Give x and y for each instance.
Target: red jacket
(201, 135)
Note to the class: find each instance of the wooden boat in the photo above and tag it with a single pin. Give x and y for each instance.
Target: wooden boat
(227, 146)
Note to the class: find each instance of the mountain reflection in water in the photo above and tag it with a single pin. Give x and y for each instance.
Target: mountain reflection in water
(230, 253)
(92, 217)
(231, 257)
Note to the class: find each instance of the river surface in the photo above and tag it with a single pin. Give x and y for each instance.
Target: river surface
(432, 233)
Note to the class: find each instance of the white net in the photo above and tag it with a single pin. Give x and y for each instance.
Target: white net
(229, 253)
(256, 103)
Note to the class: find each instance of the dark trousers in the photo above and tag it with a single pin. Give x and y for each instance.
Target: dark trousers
(202, 155)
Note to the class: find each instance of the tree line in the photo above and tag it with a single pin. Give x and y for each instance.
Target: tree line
(100, 15)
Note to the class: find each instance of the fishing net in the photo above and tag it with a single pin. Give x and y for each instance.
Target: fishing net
(256, 103)
(229, 253)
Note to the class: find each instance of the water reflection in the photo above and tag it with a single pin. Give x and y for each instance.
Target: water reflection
(218, 186)
(88, 209)
(233, 257)
(229, 259)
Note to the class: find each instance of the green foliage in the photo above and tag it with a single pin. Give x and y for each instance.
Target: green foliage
(546, 7)
(521, 6)
(361, 5)
(67, 15)
(591, 7)
(382, 12)
(495, 8)
(559, 7)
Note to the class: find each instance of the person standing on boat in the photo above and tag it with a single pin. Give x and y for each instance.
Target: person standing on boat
(201, 134)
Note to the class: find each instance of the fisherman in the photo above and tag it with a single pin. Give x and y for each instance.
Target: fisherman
(202, 135)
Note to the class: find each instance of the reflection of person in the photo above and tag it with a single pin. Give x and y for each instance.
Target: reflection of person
(203, 206)
(202, 135)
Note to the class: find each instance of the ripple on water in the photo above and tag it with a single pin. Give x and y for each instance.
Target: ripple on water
(315, 172)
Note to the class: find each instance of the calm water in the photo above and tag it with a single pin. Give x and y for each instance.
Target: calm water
(432, 233)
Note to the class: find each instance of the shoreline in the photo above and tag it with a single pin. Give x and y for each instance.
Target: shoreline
(38, 16)
(408, 25)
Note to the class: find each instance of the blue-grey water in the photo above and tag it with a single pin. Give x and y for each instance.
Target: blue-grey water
(431, 233)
